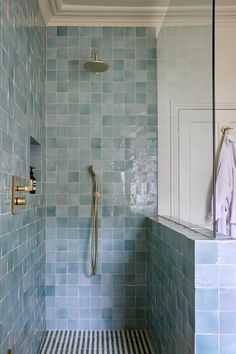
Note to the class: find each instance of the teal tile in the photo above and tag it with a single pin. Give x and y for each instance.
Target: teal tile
(119, 31)
(96, 43)
(62, 31)
(62, 86)
(73, 177)
(62, 76)
(84, 31)
(7, 143)
(96, 155)
(96, 143)
(91, 118)
(73, 65)
(130, 31)
(61, 53)
(84, 109)
(73, 31)
(73, 97)
(118, 65)
(73, 76)
(141, 32)
(141, 64)
(108, 32)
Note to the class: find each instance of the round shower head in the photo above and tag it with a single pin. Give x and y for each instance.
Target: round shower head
(96, 66)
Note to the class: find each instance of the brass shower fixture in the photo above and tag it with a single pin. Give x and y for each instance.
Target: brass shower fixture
(96, 66)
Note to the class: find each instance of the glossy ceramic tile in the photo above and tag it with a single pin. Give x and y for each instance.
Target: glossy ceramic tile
(170, 286)
(22, 236)
(107, 120)
(191, 287)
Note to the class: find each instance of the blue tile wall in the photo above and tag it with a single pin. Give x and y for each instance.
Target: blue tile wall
(22, 236)
(107, 120)
(170, 289)
(215, 296)
(207, 297)
(191, 290)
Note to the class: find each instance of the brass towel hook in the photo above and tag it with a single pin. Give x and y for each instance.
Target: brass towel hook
(225, 129)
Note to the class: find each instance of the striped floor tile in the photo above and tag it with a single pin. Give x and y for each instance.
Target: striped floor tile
(96, 342)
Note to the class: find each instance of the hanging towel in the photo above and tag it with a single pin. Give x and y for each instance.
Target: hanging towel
(226, 188)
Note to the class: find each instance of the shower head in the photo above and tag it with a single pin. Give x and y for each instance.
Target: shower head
(97, 65)
(92, 171)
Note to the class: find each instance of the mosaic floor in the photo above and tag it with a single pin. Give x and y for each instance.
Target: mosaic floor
(96, 342)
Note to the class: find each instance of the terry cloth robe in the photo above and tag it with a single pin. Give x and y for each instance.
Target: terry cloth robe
(226, 188)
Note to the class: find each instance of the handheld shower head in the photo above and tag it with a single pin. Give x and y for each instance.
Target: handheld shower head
(92, 171)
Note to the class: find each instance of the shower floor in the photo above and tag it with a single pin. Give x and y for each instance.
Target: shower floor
(96, 342)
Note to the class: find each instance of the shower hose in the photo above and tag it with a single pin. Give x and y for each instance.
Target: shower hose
(94, 240)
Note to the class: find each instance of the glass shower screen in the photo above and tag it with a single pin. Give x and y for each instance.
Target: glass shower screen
(185, 113)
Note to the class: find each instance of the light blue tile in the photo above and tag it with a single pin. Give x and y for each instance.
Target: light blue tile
(206, 344)
(227, 344)
(227, 276)
(228, 322)
(207, 299)
(227, 299)
(207, 322)
(105, 108)
(227, 252)
(206, 252)
(206, 276)
(21, 115)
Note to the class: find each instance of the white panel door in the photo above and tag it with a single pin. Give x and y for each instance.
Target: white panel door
(195, 165)
(195, 161)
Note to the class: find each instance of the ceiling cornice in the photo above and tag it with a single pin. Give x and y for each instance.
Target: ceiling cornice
(61, 13)
(226, 16)
(46, 10)
(58, 13)
(200, 15)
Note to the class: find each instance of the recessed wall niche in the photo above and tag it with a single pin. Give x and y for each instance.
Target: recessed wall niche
(36, 163)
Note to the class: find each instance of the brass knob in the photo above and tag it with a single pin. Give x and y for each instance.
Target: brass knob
(20, 201)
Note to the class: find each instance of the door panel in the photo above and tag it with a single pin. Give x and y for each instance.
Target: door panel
(195, 161)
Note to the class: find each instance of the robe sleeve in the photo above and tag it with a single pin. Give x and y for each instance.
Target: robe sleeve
(224, 185)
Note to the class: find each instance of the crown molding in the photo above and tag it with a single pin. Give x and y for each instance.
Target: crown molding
(58, 13)
(226, 16)
(46, 10)
(61, 13)
(107, 16)
(200, 15)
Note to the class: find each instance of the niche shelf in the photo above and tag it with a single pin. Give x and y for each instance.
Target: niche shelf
(36, 161)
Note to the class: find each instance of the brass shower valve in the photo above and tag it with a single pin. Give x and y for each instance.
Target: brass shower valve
(17, 199)
(24, 188)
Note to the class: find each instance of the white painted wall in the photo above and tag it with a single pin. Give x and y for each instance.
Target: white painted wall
(184, 117)
(225, 63)
(182, 53)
